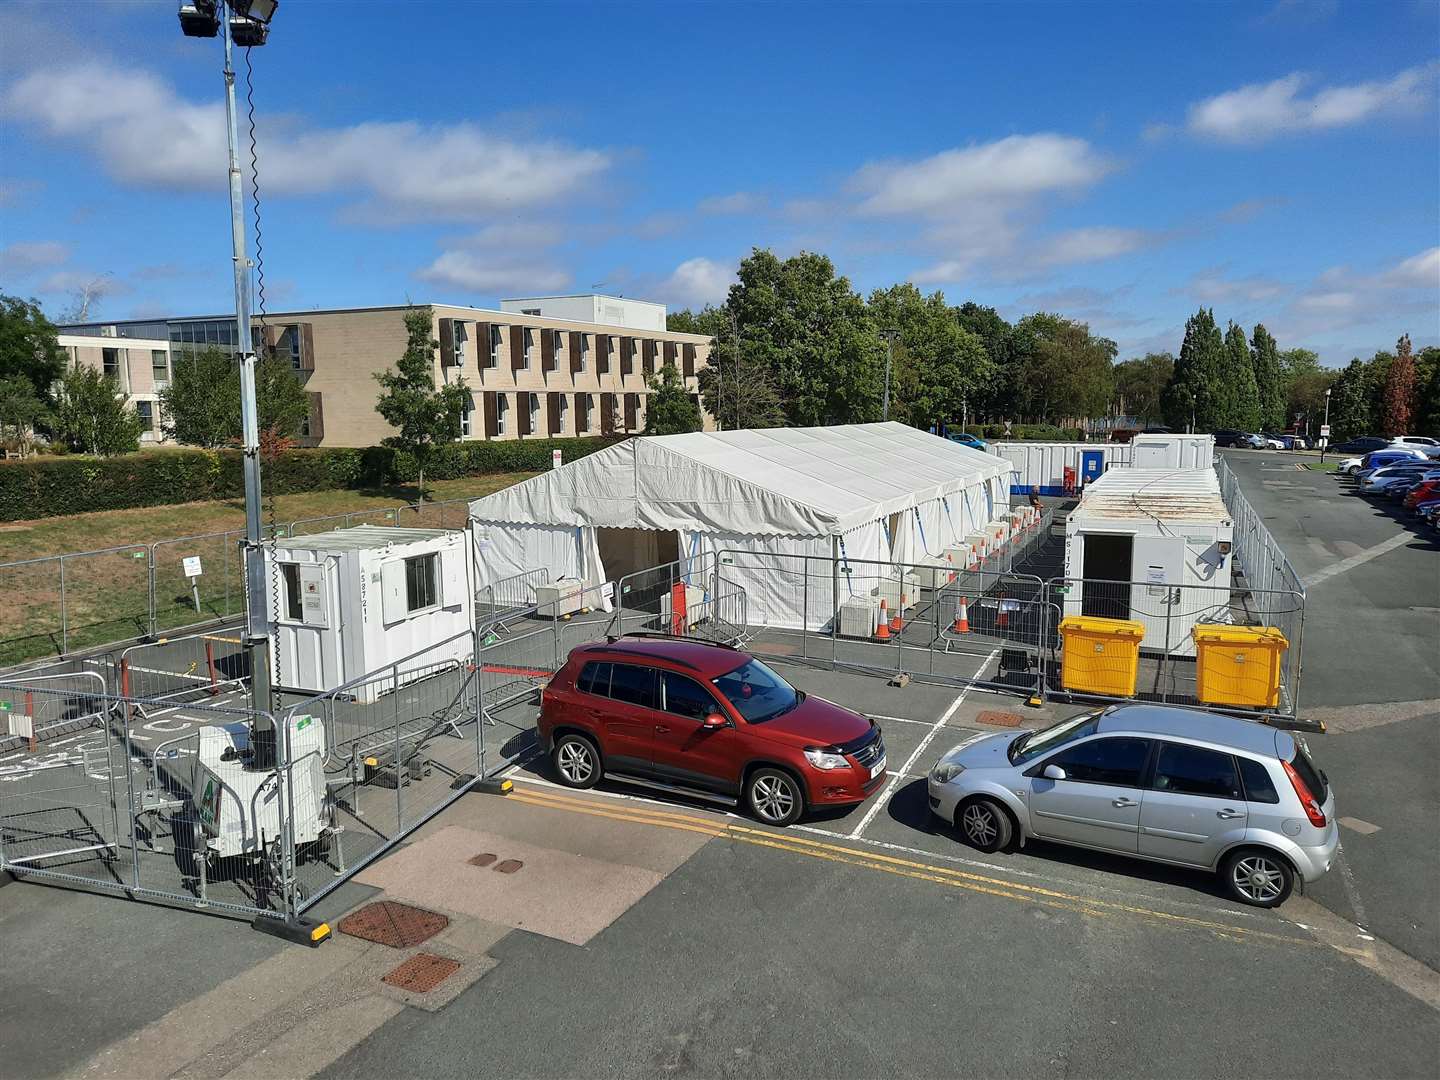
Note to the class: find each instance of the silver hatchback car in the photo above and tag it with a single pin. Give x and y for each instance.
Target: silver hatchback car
(1165, 784)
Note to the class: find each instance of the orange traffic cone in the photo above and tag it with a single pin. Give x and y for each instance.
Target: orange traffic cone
(962, 617)
(882, 632)
(1002, 618)
(897, 621)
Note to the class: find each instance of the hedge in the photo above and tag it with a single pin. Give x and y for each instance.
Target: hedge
(72, 484)
(1025, 433)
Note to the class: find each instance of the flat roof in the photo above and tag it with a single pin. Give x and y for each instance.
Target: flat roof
(362, 538)
(1168, 494)
(581, 296)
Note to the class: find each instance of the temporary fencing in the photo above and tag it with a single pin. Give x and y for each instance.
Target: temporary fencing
(1263, 562)
(499, 601)
(88, 599)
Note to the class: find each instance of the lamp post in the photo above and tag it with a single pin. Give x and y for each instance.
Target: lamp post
(245, 21)
(1192, 413)
(1325, 426)
(890, 337)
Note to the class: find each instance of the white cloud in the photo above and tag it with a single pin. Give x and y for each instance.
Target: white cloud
(1212, 286)
(1341, 298)
(740, 202)
(1009, 170)
(145, 134)
(1093, 244)
(1261, 111)
(24, 259)
(484, 273)
(1419, 271)
(695, 283)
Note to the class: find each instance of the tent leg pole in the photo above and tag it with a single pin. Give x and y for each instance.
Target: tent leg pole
(834, 598)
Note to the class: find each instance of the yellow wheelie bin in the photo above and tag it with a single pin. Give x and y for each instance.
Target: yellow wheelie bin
(1238, 665)
(1100, 656)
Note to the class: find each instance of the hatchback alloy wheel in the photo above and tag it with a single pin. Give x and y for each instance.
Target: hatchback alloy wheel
(985, 826)
(1259, 878)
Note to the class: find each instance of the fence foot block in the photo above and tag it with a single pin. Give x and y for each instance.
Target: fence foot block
(483, 787)
(300, 932)
(900, 679)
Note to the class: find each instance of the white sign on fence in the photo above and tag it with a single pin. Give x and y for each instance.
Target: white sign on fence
(1324, 431)
(554, 459)
(192, 565)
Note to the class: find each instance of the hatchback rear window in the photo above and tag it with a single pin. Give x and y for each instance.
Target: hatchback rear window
(1314, 779)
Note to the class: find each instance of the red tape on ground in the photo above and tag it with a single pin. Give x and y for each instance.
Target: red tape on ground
(506, 669)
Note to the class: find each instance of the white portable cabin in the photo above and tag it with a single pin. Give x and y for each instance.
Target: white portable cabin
(355, 601)
(1173, 451)
(1136, 536)
(1042, 464)
(801, 520)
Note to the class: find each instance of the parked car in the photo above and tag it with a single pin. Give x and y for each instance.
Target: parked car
(708, 721)
(1294, 442)
(1381, 480)
(1380, 458)
(964, 438)
(1273, 442)
(1255, 442)
(1231, 437)
(1362, 445)
(1153, 782)
(1421, 441)
(1427, 490)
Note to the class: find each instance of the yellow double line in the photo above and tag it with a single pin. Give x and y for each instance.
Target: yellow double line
(888, 864)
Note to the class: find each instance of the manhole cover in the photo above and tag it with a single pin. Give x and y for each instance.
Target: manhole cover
(390, 923)
(484, 859)
(1000, 719)
(422, 972)
(509, 866)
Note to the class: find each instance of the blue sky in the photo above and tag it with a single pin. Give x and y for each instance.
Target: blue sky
(1119, 163)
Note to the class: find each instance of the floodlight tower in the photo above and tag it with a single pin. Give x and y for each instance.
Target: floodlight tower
(247, 23)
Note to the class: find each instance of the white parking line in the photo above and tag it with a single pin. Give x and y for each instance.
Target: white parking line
(900, 719)
(905, 769)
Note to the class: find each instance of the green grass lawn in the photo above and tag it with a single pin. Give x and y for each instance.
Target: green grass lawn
(1322, 466)
(106, 597)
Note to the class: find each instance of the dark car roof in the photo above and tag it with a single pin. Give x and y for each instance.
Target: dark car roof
(704, 659)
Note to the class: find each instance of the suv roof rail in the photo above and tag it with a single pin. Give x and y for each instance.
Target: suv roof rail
(663, 636)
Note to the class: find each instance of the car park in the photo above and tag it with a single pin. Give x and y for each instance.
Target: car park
(1169, 785)
(706, 721)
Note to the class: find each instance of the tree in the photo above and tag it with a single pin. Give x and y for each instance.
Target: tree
(1349, 400)
(940, 367)
(1139, 384)
(1399, 395)
(1194, 392)
(201, 405)
(28, 345)
(1269, 379)
(1062, 370)
(20, 408)
(92, 415)
(281, 402)
(670, 410)
(1427, 397)
(997, 335)
(1237, 382)
(423, 414)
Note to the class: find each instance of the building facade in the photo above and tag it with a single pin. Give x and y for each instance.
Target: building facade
(141, 367)
(530, 376)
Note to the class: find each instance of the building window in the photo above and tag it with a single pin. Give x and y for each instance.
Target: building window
(530, 311)
(563, 411)
(160, 367)
(111, 360)
(584, 352)
(422, 582)
(502, 410)
(582, 413)
(529, 344)
(146, 411)
(494, 346)
(559, 343)
(465, 417)
(291, 573)
(534, 411)
(459, 338)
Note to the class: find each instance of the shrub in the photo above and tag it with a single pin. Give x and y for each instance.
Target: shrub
(80, 484)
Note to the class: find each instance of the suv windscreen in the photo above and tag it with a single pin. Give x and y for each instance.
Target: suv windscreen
(757, 693)
(1034, 743)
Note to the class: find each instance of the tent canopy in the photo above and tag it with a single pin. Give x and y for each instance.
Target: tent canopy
(764, 482)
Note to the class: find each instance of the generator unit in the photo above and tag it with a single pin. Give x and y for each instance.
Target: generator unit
(900, 591)
(561, 598)
(859, 616)
(934, 574)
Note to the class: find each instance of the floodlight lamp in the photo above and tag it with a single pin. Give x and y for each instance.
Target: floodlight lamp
(198, 18)
(258, 10)
(247, 33)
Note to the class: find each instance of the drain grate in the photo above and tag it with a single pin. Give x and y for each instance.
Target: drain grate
(484, 859)
(422, 973)
(509, 866)
(388, 922)
(1000, 719)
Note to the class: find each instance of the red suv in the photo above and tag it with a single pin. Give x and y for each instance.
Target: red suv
(705, 720)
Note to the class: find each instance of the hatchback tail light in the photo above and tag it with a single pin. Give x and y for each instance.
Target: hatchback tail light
(1307, 800)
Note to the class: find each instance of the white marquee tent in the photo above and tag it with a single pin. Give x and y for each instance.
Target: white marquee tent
(863, 493)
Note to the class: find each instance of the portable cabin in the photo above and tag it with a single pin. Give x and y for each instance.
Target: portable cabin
(1172, 451)
(1151, 545)
(355, 602)
(1058, 468)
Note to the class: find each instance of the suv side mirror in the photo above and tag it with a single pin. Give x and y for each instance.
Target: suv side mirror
(1053, 772)
(712, 721)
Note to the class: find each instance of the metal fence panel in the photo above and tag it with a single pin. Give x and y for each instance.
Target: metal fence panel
(218, 593)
